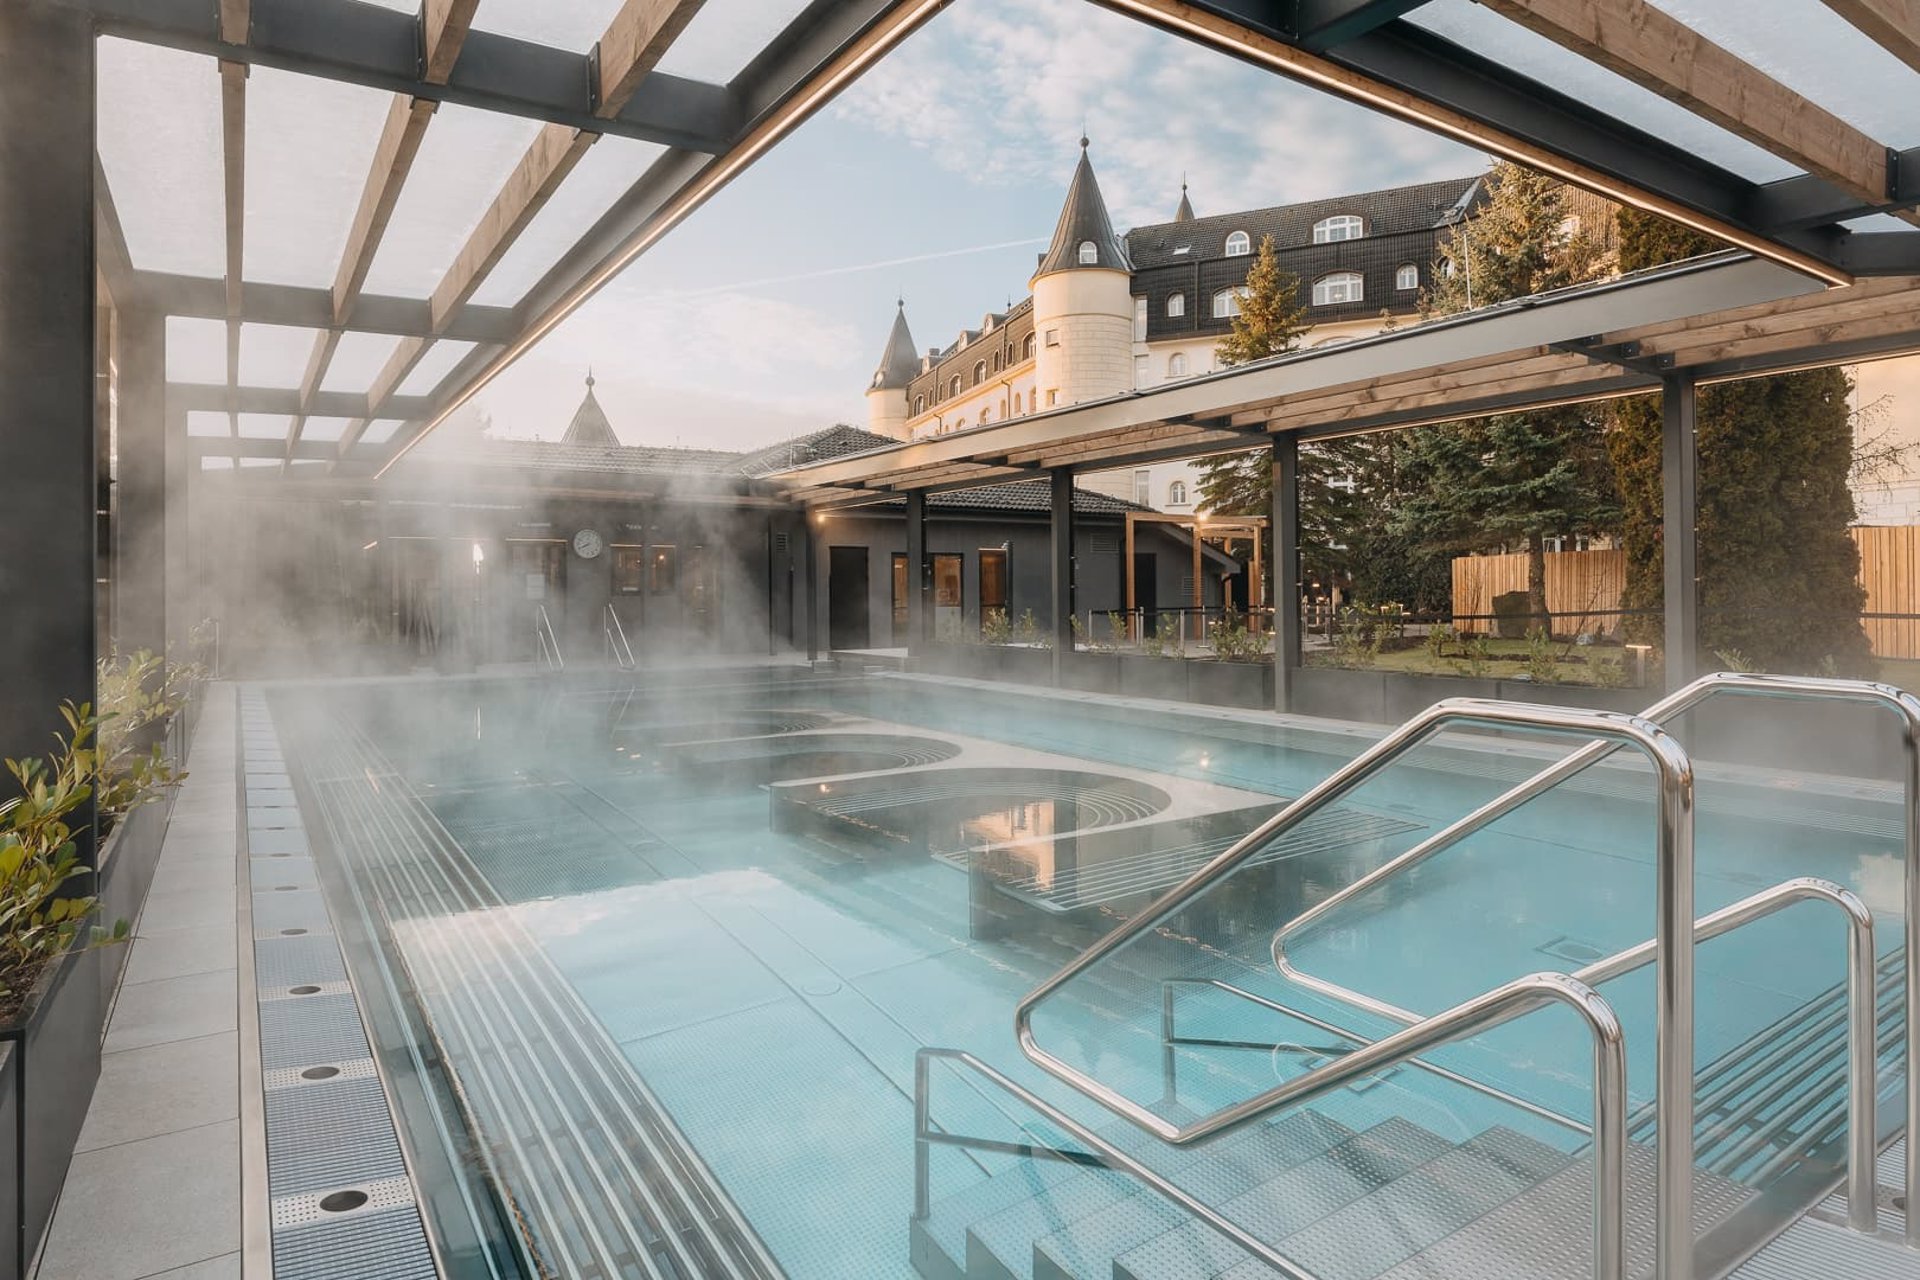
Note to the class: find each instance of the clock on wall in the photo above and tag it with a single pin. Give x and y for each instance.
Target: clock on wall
(587, 544)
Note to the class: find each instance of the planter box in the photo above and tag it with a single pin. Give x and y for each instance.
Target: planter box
(1230, 684)
(1144, 677)
(123, 872)
(52, 1061)
(1092, 672)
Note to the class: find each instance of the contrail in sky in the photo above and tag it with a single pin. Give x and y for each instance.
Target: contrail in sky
(854, 269)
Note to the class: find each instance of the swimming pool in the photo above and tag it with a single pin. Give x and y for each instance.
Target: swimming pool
(670, 950)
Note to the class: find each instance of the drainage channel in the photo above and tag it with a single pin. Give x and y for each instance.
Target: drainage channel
(598, 1178)
(341, 1201)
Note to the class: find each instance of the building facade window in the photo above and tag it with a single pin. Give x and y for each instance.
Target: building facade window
(1089, 254)
(1053, 337)
(1177, 365)
(1406, 276)
(1176, 304)
(1053, 397)
(1341, 286)
(1343, 226)
(1016, 403)
(979, 372)
(665, 570)
(1026, 348)
(1143, 487)
(1226, 303)
(629, 570)
(1140, 371)
(986, 415)
(953, 385)
(1177, 493)
(1140, 319)
(919, 404)
(1238, 245)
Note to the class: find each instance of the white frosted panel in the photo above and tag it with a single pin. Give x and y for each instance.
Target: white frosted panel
(259, 462)
(202, 422)
(275, 355)
(463, 163)
(357, 359)
(561, 24)
(328, 429)
(381, 430)
(159, 143)
(216, 464)
(433, 366)
(726, 35)
(264, 426)
(1513, 46)
(196, 350)
(1815, 52)
(310, 143)
(610, 167)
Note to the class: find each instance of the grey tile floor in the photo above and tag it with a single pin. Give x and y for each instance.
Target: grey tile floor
(154, 1189)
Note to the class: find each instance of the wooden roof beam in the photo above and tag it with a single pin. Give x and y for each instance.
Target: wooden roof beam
(632, 45)
(1894, 25)
(445, 24)
(1659, 53)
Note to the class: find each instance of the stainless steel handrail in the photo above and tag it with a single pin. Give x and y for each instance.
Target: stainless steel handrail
(1169, 1040)
(1862, 1023)
(1723, 683)
(1471, 1017)
(548, 652)
(1673, 938)
(617, 645)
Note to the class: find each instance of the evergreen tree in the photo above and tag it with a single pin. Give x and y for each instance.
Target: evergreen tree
(1514, 478)
(1779, 574)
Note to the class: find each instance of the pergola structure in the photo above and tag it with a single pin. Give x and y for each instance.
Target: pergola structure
(1705, 112)
(1199, 528)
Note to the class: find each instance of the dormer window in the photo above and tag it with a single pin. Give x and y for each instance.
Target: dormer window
(1341, 286)
(1238, 245)
(1344, 226)
(1176, 304)
(1406, 276)
(1089, 254)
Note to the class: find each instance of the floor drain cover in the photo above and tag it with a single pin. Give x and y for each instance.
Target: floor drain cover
(319, 1073)
(304, 990)
(342, 1201)
(291, 933)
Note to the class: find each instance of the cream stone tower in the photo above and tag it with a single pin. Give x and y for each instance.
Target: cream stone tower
(1082, 303)
(887, 393)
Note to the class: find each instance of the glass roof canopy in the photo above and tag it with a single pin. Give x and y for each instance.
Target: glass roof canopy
(356, 213)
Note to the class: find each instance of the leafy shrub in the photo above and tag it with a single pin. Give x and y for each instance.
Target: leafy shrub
(995, 627)
(1609, 672)
(1233, 642)
(1477, 653)
(1438, 638)
(1542, 667)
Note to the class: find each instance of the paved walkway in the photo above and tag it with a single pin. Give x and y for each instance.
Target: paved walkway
(154, 1190)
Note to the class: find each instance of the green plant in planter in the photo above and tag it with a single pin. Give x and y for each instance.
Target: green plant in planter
(995, 627)
(136, 692)
(1477, 653)
(39, 855)
(1542, 667)
(1116, 630)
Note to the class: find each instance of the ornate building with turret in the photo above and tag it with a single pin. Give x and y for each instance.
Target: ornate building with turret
(1110, 313)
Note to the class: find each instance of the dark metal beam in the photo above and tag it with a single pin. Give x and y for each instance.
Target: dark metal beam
(1060, 557)
(1881, 253)
(1796, 204)
(1286, 569)
(381, 48)
(309, 308)
(919, 575)
(1321, 24)
(141, 490)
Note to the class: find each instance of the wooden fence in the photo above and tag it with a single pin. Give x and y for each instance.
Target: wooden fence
(1577, 581)
(1890, 571)
(1594, 580)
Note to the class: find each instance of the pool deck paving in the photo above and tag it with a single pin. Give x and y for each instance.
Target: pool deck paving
(155, 1186)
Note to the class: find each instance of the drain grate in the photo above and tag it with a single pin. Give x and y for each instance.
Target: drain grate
(281, 962)
(366, 1245)
(333, 1134)
(295, 1077)
(273, 911)
(298, 1033)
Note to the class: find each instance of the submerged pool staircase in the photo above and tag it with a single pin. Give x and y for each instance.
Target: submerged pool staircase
(1732, 1169)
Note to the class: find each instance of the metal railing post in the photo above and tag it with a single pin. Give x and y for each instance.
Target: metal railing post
(922, 1149)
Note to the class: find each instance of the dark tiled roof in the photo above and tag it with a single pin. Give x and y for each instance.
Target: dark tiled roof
(553, 455)
(1029, 495)
(1083, 220)
(834, 442)
(1395, 209)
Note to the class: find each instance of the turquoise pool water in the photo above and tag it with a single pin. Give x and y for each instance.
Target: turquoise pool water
(765, 891)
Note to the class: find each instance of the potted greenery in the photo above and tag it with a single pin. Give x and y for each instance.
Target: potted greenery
(136, 776)
(52, 1003)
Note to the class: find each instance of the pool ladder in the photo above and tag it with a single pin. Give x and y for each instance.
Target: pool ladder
(546, 652)
(1670, 951)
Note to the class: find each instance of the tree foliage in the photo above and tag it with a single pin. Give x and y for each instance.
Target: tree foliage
(1515, 478)
(1779, 574)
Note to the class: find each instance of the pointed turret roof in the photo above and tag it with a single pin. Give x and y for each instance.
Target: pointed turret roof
(590, 425)
(1084, 221)
(901, 362)
(1185, 212)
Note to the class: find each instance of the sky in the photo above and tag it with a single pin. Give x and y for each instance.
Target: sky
(936, 178)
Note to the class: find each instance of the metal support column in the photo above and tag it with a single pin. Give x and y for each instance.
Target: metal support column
(815, 584)
(140, 541)
(1679, 529)
(1061, 514)
(919, 574)
(47, 453)
(1286, 569)
(183, 607)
